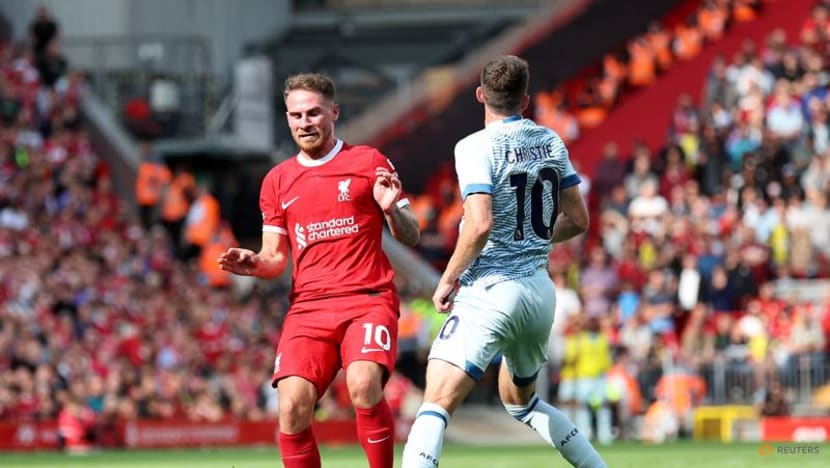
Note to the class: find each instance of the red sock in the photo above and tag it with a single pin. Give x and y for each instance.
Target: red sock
(299, 450)
(376, 430)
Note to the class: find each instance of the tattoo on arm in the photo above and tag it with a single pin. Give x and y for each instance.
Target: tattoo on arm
(404, 226)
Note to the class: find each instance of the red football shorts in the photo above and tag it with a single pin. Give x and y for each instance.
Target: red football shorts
(320, 337)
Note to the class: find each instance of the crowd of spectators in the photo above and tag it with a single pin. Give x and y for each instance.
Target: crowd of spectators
(584, 102)
(107, 314)
(688, 241)
(98, 316)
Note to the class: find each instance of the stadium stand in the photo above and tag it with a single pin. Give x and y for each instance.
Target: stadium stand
(99, 321)
(704, 229)
(372, 48)
(699, 231)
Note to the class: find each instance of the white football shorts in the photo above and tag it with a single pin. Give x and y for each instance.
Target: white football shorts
(510, 317)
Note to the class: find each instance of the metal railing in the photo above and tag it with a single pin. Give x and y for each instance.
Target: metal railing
(741, 381)
(123, 67)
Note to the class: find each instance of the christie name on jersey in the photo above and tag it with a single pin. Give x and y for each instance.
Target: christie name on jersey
(532, 153)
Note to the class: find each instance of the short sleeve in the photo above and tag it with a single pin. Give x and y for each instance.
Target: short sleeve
(273, 216)
(569, 177)
(474, 169)
(381, 161)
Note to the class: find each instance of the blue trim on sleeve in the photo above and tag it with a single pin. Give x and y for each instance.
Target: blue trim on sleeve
(569, 181)
(434, 413)
(473, 370)
(476, 188)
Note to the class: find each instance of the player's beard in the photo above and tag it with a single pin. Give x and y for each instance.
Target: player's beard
(315, 147)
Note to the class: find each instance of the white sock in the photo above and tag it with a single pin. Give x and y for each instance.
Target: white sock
(426, 438)
(557, 430)
(604, 435)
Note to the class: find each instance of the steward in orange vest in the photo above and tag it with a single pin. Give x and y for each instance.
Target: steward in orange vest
(152, 178)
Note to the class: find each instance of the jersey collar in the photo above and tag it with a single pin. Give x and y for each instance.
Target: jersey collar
(512, 118)
(308, 162)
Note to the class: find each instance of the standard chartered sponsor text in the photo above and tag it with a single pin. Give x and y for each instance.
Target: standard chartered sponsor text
(334, 227)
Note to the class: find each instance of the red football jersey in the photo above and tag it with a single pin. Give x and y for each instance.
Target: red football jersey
(327, 209)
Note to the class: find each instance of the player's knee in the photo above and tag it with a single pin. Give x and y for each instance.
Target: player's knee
(365, 389)
(295, 412)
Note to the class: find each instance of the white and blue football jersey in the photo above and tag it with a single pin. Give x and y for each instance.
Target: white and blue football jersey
(523, 166)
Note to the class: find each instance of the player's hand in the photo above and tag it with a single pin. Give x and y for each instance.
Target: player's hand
(387, 189)
(239, 261)
(444, 296)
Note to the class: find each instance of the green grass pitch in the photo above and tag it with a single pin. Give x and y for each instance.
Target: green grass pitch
(624, 455)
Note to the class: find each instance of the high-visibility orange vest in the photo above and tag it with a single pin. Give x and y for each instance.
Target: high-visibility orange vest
(590, 117)
(688, 42)
(607, 88)
(613, 68)
(409, 325)
(660, 42)
(635, 398)
(681, 391)
(641, 68)
(560, 122)
(543, 101)
(151, 179)
(422, 206)
(175, 204)
(712, 22)
(450, 216)
(202, 220)
(222, 240)
(743, 11)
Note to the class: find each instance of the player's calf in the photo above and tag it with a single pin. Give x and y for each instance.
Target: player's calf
(376, 430)
(426, 437)
(558, 431)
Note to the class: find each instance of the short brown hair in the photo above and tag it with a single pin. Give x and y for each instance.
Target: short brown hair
(310, 82)
(504, 81)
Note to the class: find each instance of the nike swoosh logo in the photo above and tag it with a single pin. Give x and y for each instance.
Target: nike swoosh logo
(289, 202)
(372, 441)
(369, 350)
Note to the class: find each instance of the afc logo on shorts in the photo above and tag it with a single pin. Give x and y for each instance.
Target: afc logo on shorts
(343, 187)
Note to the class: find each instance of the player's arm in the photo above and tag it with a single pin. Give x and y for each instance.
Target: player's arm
(272, 257)
(573, 218)
(403, 224)
(475, 178)
(475, 231)
(269, 262)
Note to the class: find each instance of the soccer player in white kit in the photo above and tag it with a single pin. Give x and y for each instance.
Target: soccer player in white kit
(520, 196)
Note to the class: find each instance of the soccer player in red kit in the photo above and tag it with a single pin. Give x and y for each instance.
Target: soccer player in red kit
(327, 206)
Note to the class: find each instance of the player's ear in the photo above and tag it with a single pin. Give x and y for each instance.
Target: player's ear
(525, 101)
(480, 95)
(335, 112)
